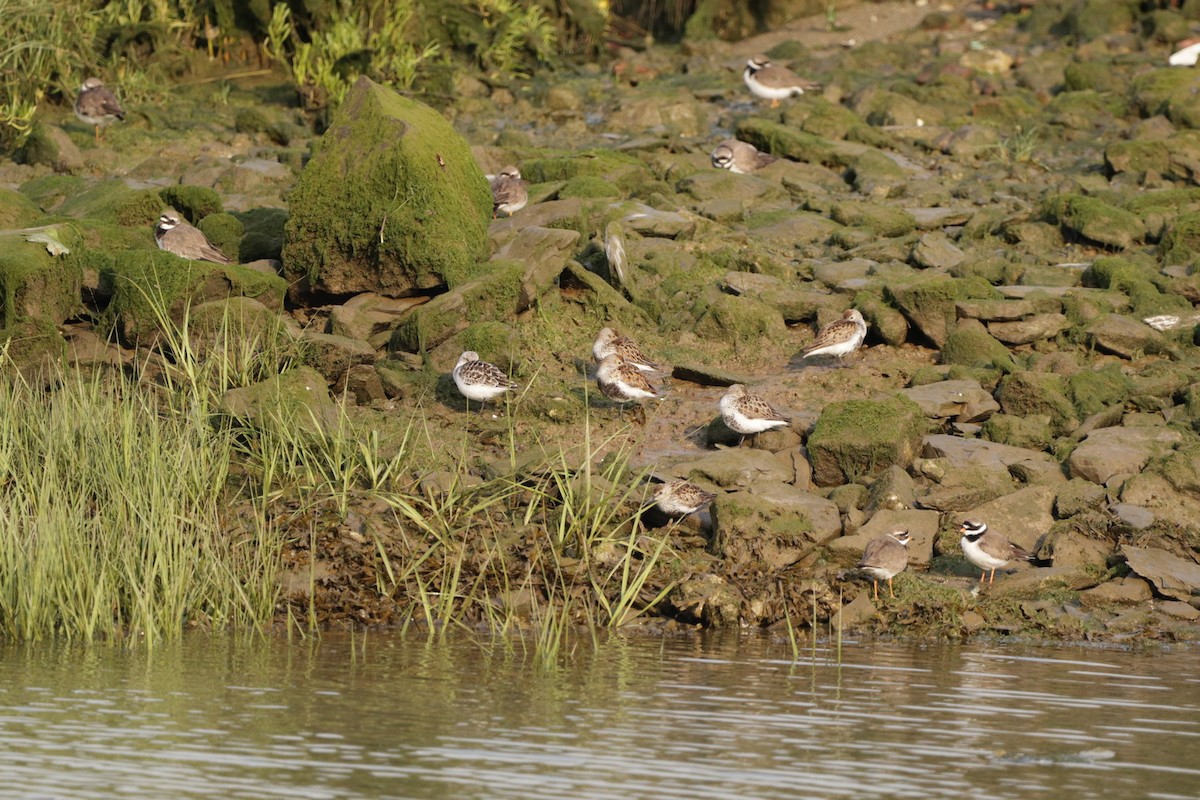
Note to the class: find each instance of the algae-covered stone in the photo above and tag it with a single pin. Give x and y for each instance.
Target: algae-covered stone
(1126, 337)
(879, 219)
(739, 319)
(391, 201)
(114, 201)
(1097, 221)
(876, 175)
(1031, 432)
(782, 140)
(16, 210)
(152, 286)
(1170, 91)
(1181, 240)
(225, 232)
(930, 302)
(756, 532)
(262, 234)
(1026, 394)
(50, 145)
(858, 439)
(1093, 390)
(194, 202)
(296, 399)
(35, 286)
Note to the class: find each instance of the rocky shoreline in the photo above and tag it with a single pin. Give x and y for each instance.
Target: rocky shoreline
(1010, 200)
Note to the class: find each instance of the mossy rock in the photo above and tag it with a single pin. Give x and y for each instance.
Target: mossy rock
(1170, 91)
(149, 286)
(832, 121)
(621, 170)
(588, 187)
(1091, 75)
(1137, 280)
(194, 202)
(728, 318)
(1026, 394)
(17, 210)
(35, 287)
(35, 347)
(262, 233)
(225, 232)
(50, 191)
(876, 175)
(1082, 110)
(781, 140)
(1092, 19)
(496, 342)
(1093, 390)
(855, 440)
(970, 345)
(1032, 432)
(881, 220)
(1181, 240)
(391, 201)
(296, 400)
(1138, 156)
(755, 532)
(1096, 220)
(929, 302)
(114, 202)
(491, 296)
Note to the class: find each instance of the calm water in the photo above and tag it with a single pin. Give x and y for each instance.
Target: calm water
(712, 717)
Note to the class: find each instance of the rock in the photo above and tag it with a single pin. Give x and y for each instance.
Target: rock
(882, 220)
(708, 599)
(1171, 575)
(922, 525)
(1026, 331)
(1179, 610)
(1034, 582)
(1120, 591)
(893, 490)
(361, 382)
(1077, 496)
(962, 400)
(739, 319)
(1136, 517)
(934, 250)
(49, 144)
(856, 439)
(970, 345)
(739, 468)
(1098, 221)
(889, 324)
(1126, 337)
(929, 302)
(391, 201)
(725, 185)
(648, 221)
(332, 355)
(1117, 451)
(998, 310)
(854, 614)
(753, 533)
(1028, 393)
(1031, 432)
(810, 511)
(39, 288)
(962, 488)
(961, 452)
(1070, 548)
(368, 315)
(297, 398)
(551, 214)
(876, 175)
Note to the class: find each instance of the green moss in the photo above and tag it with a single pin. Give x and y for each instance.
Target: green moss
(294, 399)
(588, 186)
(970, 345)
(1181, 241)
(882, 220)
(50, 190)
(494, 341)
(1095, 389)
(781, 140)
(1008, 111)
(1027, 394)
(1169, 91)
(224, 231)
(145, 280)
(35, 287)
(486, 297)
(194, 202)
(1095, 219)
(262, 235)
(731, 319)
(17, 210)
(1137, 281)
(857, 439)
(392, 199)
(621, 170)
(1092, 19)
(112, 201)
(1138, 155)
(1032, 432)
(831, 121)
(1090, 75)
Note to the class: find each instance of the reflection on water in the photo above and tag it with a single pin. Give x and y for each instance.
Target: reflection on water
(704, 717)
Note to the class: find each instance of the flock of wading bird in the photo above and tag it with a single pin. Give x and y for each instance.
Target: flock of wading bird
(623, 374)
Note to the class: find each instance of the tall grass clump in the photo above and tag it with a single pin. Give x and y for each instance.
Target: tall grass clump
(112, 517)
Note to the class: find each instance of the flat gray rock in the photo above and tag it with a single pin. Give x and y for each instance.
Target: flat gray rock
(1170, 574)
(1118, 451)
(1027, 331)
(963, 452)
(961, 400)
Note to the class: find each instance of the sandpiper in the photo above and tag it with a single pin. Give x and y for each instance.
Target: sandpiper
(738, 157)
(747, 414)
(479, 380)
(609, 342)
(840, 337)
(885, 557)
(773, 82)
(175, 235)
(680, 498)
(623, 382)
(97, 106)
(509, 193)
(988, 550)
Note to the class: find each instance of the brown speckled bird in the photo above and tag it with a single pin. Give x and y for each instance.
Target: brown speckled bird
(175, 235)
(97, 106)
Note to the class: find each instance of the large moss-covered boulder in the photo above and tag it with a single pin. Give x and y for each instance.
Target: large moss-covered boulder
(391, 201)
(1026, 394)
(929, 303)
(36, 286)
(858, 439)
(16, 210)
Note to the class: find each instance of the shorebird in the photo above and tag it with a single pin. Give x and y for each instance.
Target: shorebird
(885, 557)
(680, 498)
(479, 380)
(97, 106)
(738, 157)
(509, 193)
(747, 414)
(988, 550)
(609, 342)
(623, 382)
(175, 235)
(840, 337)
(773, 82)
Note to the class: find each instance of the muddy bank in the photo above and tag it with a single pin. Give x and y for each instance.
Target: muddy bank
(1007, 198)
